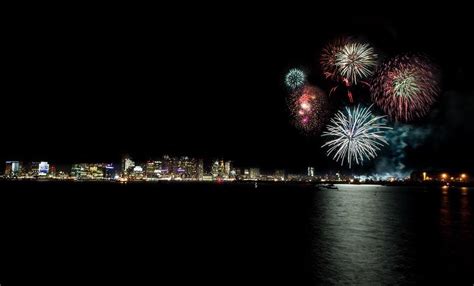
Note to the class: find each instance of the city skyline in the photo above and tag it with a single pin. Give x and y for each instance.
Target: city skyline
(167, 168)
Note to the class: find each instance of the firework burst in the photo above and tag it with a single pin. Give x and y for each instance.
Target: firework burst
(405, 87)
(295, 78)
(329, 55)
(309, 108)
(356, 61)
(356, 135)
(348, 62)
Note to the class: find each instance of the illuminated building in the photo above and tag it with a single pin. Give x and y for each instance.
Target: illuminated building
(153, 169)
(200, 170)
(43, 168)
(52, 170)
(246, 174)
(137, 172)
(12, 168)
(254, 173)
(280, 174)
(215, 169)
(227, 166)
(79, 171)
(127, 165)
(33, 169)
(185, 168)
(219, 169)
(92, 171)
(310, 171)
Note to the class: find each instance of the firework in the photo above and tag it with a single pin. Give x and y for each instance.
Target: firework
(356, 61)
(309, 108)
(356, 135)
(405, 87)
(348, 62)
(329, 56)
(295, 78)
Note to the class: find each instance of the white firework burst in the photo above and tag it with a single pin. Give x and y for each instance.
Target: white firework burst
(356, 61)
(295, 78)
(357, 133)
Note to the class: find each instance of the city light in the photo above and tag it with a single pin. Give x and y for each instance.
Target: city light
(187, 169)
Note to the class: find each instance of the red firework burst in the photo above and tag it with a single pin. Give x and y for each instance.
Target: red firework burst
(329, 56)
(406, 87)
(309, 107)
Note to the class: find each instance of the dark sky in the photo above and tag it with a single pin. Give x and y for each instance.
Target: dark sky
(90, 84)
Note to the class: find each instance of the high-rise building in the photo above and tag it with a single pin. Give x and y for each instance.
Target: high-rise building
(12, 168)
(221, 169)
(109, 171)
(227, 166)
(200, 170)
(310, 171)
(215, 169)
(127, 165)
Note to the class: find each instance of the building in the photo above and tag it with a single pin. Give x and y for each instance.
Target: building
(110, 171)
(127, 165)
(92, 171)
(188, 168)
(52, 170)
(12, 168)
(254, 173)
(215, 169)
(227, 166)
(43, 169)
(33, 169)
(79, 171)
(200, 170)
(310, 171)
(280, 175)
(137, 172)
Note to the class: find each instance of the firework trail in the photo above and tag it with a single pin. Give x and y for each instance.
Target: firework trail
(309, 108)
(295, 78)
(356, 135)
(406, 87)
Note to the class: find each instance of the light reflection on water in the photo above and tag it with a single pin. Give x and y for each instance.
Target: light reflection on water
(376, 234)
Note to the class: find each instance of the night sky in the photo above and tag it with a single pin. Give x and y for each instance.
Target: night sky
(193, 81)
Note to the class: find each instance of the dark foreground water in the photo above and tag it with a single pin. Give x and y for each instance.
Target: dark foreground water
(187, 234)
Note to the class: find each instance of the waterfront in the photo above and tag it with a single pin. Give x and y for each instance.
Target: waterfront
(220, 233)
